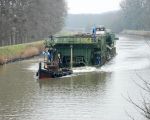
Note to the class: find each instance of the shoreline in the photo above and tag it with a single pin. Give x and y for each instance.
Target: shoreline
(20, 52)
(136, 32)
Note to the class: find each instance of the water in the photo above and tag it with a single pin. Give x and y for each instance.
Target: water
(90, 93)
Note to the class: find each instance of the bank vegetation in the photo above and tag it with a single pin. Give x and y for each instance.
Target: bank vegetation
(136, 32)
(23, 21)
(20, 51)
(133, 15)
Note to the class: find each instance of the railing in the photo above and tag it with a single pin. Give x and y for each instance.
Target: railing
(75, 40)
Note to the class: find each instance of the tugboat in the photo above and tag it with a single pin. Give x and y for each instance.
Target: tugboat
(52, 65)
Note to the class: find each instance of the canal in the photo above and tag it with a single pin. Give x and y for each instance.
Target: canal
(89, 94)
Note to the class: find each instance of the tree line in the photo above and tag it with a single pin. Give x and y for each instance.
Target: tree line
(24, 21)
(135, 14)
(85, 22)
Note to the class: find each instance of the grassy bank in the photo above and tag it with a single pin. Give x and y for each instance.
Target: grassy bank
(137, 32)
(20, 51)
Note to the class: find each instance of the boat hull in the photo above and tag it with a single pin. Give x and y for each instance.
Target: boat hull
(44, 73)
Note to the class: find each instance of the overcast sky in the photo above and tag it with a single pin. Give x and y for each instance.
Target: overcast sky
(92, 6)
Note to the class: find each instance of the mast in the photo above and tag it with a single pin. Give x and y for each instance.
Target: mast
(71, 56)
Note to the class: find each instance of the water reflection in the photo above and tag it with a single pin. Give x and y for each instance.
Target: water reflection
(88, 83)
(23, 97)
(96, 95)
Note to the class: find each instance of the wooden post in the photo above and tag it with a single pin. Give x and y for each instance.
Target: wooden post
(71, 56)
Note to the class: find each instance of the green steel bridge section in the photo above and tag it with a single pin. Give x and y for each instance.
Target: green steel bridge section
(85, 48)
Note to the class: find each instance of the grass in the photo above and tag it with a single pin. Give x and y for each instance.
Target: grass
(137, 32)
(11, 50)
(20, 51)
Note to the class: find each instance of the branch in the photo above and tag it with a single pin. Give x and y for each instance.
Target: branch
(145, 82)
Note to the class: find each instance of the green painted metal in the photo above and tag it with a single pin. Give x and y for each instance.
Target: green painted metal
(87, 50)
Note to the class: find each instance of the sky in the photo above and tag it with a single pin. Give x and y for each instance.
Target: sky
(92, 6)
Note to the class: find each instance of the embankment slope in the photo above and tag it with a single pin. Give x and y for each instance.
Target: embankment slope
(20, 51)
(137, 32)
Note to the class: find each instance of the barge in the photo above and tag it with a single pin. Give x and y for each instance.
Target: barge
(78, 50)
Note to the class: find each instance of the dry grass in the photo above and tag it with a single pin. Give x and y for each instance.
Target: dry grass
(137, 32)
(21, 51)
(29, 52)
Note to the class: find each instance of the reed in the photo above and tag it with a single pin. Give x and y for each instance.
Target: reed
(20, 51)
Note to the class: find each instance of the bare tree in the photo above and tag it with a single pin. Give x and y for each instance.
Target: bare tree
(144, 108)
(136, 14)
(28, 20)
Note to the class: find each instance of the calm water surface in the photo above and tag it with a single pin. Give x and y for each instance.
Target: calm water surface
(95, 95)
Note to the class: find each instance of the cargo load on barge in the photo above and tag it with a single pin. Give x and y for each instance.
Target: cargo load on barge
(86, 49)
